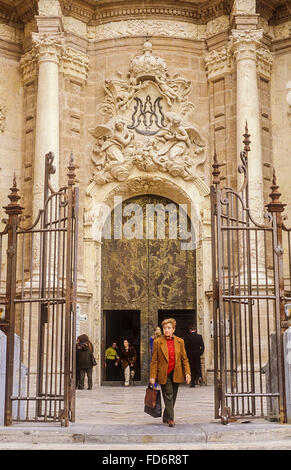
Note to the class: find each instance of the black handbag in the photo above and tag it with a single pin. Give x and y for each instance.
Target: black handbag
(93, 360)
(152, 402)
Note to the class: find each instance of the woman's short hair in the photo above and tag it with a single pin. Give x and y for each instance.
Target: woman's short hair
(158, 332)
(169, 320)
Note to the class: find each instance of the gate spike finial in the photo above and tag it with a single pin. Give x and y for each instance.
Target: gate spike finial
(246, 140)
(276, 205)
(13, 207)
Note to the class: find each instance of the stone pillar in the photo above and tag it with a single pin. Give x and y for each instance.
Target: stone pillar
(244, 45)
(48, 50)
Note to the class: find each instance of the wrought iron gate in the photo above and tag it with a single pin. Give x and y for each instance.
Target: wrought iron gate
(38, 298)
(249, 299)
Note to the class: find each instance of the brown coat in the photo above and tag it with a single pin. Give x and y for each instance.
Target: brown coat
(160, 360)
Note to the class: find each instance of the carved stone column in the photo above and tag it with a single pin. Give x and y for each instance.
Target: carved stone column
(244, 45)
(48, 51)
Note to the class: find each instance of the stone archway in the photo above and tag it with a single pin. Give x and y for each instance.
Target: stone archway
(101, 201)
(148, 273)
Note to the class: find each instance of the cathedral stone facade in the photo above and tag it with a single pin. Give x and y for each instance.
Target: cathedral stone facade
(143, 94)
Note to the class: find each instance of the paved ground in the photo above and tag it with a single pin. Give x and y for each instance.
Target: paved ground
(112, 418)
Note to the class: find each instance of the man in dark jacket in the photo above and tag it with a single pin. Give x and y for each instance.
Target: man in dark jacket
(84, 352)
(195, 348)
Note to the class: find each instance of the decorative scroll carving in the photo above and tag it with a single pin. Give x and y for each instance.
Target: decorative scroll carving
(144, 124)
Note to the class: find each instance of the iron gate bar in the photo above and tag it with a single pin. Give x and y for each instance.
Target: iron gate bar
(46, 247)
(250, 394)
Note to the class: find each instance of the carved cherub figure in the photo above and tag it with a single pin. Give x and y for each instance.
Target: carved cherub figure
(167, 90)
(112, 142)
(175, 146)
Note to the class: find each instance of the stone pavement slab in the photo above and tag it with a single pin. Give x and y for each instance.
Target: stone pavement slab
(113, 417)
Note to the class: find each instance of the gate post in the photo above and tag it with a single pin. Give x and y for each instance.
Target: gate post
(13, 210)
(276, 207)
(215, 226)
(70, 315)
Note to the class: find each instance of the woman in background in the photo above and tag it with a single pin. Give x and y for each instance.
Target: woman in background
(127, 357)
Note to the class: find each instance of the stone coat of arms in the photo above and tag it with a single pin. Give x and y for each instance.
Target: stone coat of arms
(143, 124)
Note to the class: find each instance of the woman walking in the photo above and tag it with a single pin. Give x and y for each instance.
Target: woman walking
(169, 367)
(128, 357)
(84, 352)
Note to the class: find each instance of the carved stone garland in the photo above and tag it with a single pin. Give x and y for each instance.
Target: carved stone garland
(143, 124)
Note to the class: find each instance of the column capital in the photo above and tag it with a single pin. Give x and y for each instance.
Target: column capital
(244, 43)
(53, 49)
(45, 48)
(48, 48)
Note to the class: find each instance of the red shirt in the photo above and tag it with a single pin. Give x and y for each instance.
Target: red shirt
(171, 351)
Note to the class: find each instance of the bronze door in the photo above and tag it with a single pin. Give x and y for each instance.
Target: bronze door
(147, 273)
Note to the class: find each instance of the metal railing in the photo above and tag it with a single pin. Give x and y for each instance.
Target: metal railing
(40, 300)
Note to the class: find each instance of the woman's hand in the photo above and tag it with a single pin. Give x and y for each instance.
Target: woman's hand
(188, 379)
(152, 381)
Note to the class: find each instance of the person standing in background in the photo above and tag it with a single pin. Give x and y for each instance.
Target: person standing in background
(194, 348)
(84, 352)
(128, 357)
(111, 359)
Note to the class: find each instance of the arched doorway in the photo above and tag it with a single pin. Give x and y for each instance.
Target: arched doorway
(148, 274)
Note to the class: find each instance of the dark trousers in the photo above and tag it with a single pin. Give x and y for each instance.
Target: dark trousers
(110, 369)
(169, 392)
(195, 366)
(82, 373)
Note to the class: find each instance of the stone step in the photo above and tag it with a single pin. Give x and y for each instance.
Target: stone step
(148, 435)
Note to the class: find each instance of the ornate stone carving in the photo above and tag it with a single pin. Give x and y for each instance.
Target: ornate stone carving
(10, 33)
(75, 64)
(137, 27)
(217, 25)
(144, 124)
(265, 61)
(106, 12)
(158, 27)
(48, 47)
(282, 31)
(28, 65)
(49, 8)
(52, 48)
(244, 43)
(242, 7)
(218, 62)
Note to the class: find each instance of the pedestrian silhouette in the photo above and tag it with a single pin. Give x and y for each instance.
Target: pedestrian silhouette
(84, 366)
(194, 348)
